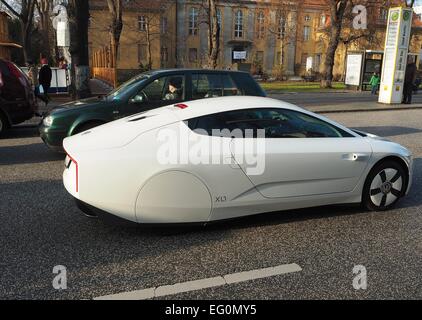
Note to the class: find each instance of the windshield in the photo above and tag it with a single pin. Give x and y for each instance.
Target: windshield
(117, 93)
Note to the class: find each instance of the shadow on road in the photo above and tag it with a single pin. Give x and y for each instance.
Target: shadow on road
(22, 131)
(29, 153)
(389, 131)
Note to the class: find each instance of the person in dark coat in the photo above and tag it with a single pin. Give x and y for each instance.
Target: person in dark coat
(409, 82)
(44, 79)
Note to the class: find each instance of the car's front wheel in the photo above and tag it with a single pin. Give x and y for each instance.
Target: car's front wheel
(384, 186)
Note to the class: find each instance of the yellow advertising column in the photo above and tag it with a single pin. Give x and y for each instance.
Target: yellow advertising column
(397, 38)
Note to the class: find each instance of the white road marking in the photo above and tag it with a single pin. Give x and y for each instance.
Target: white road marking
(203, 283)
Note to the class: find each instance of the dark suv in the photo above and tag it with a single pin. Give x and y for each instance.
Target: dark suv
(144, 92)
(17, 99)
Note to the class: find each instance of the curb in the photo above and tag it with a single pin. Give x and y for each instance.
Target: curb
(364, 109)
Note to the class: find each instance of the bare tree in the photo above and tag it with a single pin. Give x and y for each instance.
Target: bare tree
(337, 10)
(284, 28)
(213, 34)
(152, 24)
(115, 8)
(26, 17)
(78, 12)
(43, 11)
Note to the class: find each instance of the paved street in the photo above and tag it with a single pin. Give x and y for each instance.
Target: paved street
(40, 227)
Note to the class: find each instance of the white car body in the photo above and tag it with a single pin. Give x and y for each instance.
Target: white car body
(114, 169)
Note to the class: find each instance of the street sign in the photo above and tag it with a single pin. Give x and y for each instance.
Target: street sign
(63, 36)
(354, 69)
(395, 55)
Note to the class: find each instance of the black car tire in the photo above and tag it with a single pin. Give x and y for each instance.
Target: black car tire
(3, 123)
(87, 126)
(385, 185)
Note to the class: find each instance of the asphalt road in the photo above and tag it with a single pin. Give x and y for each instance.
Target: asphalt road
(40, 227)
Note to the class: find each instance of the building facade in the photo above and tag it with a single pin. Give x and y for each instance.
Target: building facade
(273, 37)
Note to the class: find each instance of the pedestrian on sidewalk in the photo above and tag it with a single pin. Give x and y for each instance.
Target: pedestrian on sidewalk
(409, 82)
(374, 83)
(44, 78)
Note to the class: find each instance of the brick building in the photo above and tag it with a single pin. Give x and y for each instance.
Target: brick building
(270, 36)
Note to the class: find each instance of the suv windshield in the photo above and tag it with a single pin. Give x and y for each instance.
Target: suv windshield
(117, 93)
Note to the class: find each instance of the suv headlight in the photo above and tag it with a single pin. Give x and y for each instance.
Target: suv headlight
(48, 121)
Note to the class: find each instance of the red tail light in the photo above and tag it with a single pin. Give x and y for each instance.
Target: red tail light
(77, 172)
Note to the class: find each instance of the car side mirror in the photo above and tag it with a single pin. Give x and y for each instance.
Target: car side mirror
(137, 99)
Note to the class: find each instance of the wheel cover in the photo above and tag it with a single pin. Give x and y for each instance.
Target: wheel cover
(386, 187)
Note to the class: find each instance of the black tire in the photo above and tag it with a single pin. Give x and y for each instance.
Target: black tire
(3, 124)
(87, 126)
(385, 185)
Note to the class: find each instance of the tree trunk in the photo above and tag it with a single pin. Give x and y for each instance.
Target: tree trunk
(327, 79)
(78, 11)
(213, 36)
(337, 9)
(116, 26)
(149, 53)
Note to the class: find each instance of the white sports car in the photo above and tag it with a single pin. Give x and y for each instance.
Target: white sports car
(223, 158)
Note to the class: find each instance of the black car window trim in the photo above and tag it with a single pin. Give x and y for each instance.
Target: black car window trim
(193, 122)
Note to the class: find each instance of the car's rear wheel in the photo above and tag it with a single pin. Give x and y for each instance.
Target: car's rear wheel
(3, 123)
(384, 186)
(87, 126)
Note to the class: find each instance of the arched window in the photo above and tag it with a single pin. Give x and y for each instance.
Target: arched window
(260, 25)
(238, 25)
(193, 21)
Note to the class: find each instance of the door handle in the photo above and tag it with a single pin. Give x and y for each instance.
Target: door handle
(116, 112)
(355, 156)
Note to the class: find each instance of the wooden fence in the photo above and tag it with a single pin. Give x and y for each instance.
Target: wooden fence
(104, 65)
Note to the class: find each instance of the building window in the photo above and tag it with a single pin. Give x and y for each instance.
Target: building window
(304, 59)
(193, 21)
(193, 54)
(260, 25)
(306, 33)
(259, 57)
(164, 54)
(238, 24)
(142, 52)
(317, 62)
(281, 29)
(164, 23)
(142, 23)
(383, 14)
(323, 20)
(307, 18)
(279, 58)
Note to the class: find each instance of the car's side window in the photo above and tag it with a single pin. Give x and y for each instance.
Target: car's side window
(206, 86)
(230, 87)
(169, 88)
(274, 123)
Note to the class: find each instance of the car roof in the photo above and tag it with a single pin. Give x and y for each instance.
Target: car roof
(203, 107)
(155, 72)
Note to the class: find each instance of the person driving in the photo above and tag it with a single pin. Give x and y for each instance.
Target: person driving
(175, 89)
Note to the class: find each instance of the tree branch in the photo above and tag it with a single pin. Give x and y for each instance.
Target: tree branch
(10, 8)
